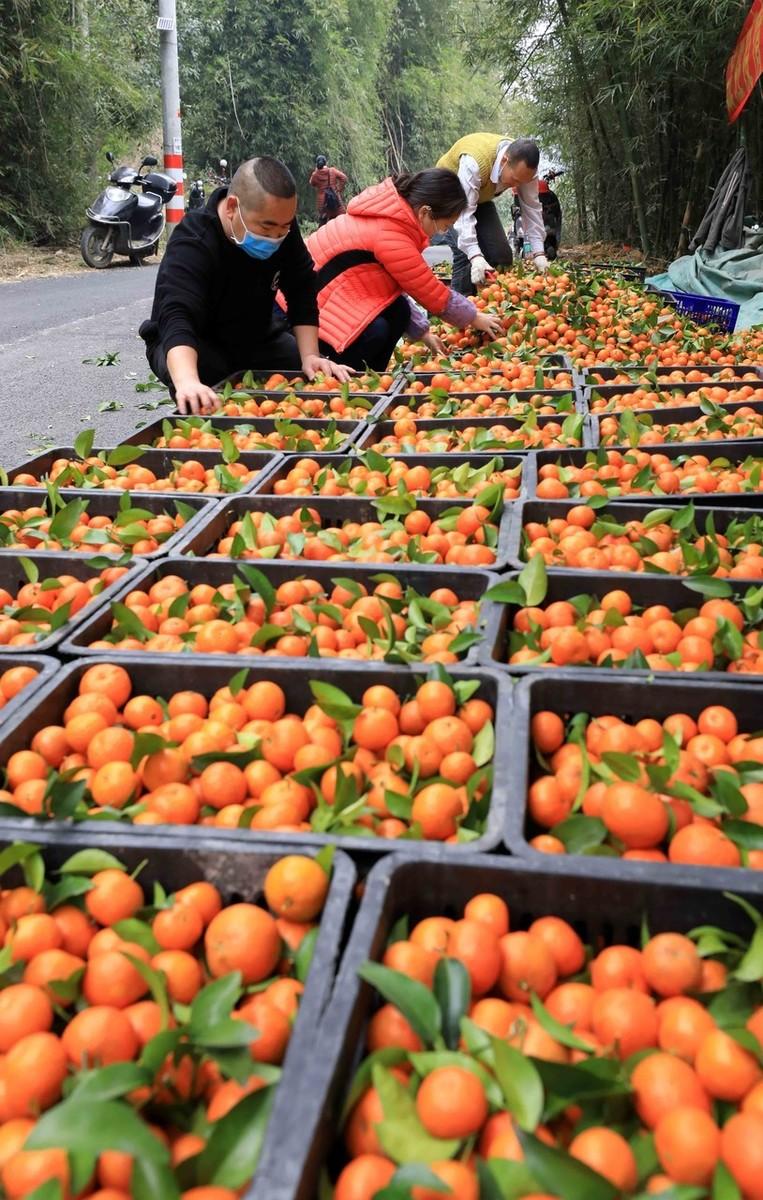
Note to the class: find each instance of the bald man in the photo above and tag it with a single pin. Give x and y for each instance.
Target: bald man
(215, 290)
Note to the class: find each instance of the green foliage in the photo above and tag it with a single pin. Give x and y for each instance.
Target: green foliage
(626, 96)
(76, 77)
(376, 85)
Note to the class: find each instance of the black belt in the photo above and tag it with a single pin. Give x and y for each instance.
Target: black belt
(341, 263)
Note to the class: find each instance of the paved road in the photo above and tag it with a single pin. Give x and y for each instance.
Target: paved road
(47, 327)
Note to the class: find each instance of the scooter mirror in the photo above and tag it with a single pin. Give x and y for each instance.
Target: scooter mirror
(149, 161)
(109, 156)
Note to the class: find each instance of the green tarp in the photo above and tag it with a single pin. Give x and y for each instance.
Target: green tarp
(729, 274)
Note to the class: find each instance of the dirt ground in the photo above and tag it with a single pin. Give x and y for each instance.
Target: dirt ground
(19, 261)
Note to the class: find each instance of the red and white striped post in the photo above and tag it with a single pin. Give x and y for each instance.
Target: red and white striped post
(173, 142)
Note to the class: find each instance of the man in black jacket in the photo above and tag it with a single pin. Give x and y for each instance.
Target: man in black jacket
(216, 287)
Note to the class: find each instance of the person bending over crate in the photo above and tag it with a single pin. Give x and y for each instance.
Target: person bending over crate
(214, 299)
(369, 261)
(489, 164)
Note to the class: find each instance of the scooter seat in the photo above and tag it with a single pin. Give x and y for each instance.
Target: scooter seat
(149, 203)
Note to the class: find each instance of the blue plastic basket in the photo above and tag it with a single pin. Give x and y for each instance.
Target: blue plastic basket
(706, 310)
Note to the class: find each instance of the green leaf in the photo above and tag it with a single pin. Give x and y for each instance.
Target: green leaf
(750, 969)
(90, 1127)
(156, 985)
(580, 833)
(83, 443)
(304, 957)
(415, 1001)
(146, 744)
(520, 1083)
(129, 622)
(110, 1083)
(152, 1179)
(333, 701)
(120, 456)
(484, 745)
(140, 932)
(724, 1184)
(708, 585)
(66, 519)
(230, 1157)
(559, 1032)
(452, 991)
(401, 1134)
(534, 581)
(624, 766)
(409, 1176)
(389, 1056)
(89, 862)
(562, 1175)
(215, 1001)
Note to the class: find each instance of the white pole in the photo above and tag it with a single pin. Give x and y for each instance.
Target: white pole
(173, 142)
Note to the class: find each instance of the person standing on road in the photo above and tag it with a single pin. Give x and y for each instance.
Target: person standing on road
(216, 286)
(487, 165)
(329, 183)
(369, 260)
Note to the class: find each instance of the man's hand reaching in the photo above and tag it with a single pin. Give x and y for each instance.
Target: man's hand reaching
(313, 365)
(195, 397)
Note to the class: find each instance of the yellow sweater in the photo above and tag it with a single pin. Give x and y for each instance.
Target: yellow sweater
(483, 148)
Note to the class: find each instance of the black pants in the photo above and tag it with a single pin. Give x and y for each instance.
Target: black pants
(277, 351)
(493, 244)
(373, 349)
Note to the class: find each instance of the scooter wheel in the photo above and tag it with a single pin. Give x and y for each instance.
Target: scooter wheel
(94, 252)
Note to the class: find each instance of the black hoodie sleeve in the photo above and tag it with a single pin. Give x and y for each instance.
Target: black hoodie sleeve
(298, 281)
(183, 288)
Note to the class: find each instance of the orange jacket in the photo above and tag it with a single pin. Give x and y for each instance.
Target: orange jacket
(384, 241)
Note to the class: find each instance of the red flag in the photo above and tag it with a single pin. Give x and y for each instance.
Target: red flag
(745, 66)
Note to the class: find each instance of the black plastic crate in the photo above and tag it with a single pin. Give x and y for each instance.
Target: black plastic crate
(605, 909)
(239, 873)
(644, 590)
(512, 354)
(519, 398)
(264, 487)
(733, 452)
(470, 585)
(107, 504)
(161, 462)
(543, 510)
(607, 391)
(382, 429)
(350, 431)
(202, 539)
(238, 376)
(152, 676)
(50, 566)
(714, 370)
(632, 697)
(426, 378)
(669, 416)
(46, 668)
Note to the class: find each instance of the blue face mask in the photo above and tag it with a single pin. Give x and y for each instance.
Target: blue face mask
(254, 245)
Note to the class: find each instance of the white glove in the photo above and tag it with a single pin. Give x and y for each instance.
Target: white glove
(541, 263)
(479, 268)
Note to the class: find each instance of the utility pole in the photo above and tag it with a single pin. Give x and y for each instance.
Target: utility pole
(173, 142)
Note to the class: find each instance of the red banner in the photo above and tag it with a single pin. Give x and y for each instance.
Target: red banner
(745, 66)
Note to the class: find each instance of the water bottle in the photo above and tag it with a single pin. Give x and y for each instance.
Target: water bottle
(526, 249)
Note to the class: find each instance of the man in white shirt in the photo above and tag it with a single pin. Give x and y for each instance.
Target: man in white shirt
(487, 165)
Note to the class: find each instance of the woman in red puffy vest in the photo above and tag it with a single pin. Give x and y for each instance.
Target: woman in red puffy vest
(369, 261)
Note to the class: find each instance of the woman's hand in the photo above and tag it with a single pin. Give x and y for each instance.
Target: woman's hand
(313, 364)
(435, 344)
(488, 323)
(196, 397)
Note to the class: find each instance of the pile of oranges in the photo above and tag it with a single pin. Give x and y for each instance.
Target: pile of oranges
(521, 1077)
(696, 375)
(28, 617)
(609, 632)
(372, 475)
(368, 383)
(195, 433)
(240, 759)
(739, 422)
(186, 475)
(666, 540)
(72, 528)
(484, 404)
(654, 398)
(483, 373)
(674, 791)
(293, 406)
(464, 537)
(329, 619)
(407, 437)
(113, 975)
(632, 472)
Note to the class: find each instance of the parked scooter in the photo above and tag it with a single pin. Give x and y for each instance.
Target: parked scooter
(123, 221)
(552, 219)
